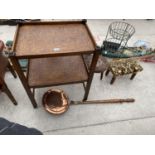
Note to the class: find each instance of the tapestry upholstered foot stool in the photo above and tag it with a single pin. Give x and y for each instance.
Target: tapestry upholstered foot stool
(122, 67)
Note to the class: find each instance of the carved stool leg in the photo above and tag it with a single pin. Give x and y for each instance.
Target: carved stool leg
(12, 70)
(9, 94)
(113, 79)
(101, 77)
(132, 76)
(107, 72)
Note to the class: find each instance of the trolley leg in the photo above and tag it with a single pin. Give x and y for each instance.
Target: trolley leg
(84, 86)
(91, 74)
(33, 91)
(12, 70)
(22, 77)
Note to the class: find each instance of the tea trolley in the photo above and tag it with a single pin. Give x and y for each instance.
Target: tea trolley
(55, 54)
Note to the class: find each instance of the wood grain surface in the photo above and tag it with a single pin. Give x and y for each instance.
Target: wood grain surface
(56, 71)
(42, 39)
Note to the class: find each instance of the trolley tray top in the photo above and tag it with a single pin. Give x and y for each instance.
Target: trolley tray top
(37, 39)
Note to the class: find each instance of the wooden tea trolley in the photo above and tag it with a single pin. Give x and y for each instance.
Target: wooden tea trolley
(55, 53)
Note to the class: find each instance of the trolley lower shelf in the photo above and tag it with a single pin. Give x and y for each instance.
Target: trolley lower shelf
(50, 71)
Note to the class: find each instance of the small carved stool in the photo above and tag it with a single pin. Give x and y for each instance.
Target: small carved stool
(122, 67)
(101, 66)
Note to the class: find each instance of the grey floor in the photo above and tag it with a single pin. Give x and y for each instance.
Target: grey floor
(127, 118)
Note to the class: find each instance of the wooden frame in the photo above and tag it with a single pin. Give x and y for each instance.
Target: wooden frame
(3, 86)
(9, 94)
(14, 58)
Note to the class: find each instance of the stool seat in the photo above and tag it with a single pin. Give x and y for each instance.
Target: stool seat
(102, 63)
(122, 67)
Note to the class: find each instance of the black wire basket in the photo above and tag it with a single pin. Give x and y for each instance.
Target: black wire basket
(118, 35)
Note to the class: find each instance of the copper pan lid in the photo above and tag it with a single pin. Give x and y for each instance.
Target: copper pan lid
(55, 101)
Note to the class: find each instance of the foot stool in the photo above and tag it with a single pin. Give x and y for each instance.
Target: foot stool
(122, 67)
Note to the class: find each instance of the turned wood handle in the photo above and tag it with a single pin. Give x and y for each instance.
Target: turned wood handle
(104, 101)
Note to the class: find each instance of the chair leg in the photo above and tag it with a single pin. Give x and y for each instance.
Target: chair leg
(12, 70)
(9, 94)
(132, 76)
(107, 72)
(101, 77)
(113, 79)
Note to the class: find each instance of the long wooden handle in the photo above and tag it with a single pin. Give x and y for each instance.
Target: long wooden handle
(112, 101)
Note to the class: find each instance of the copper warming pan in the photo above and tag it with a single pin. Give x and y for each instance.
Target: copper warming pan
(55, 101)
